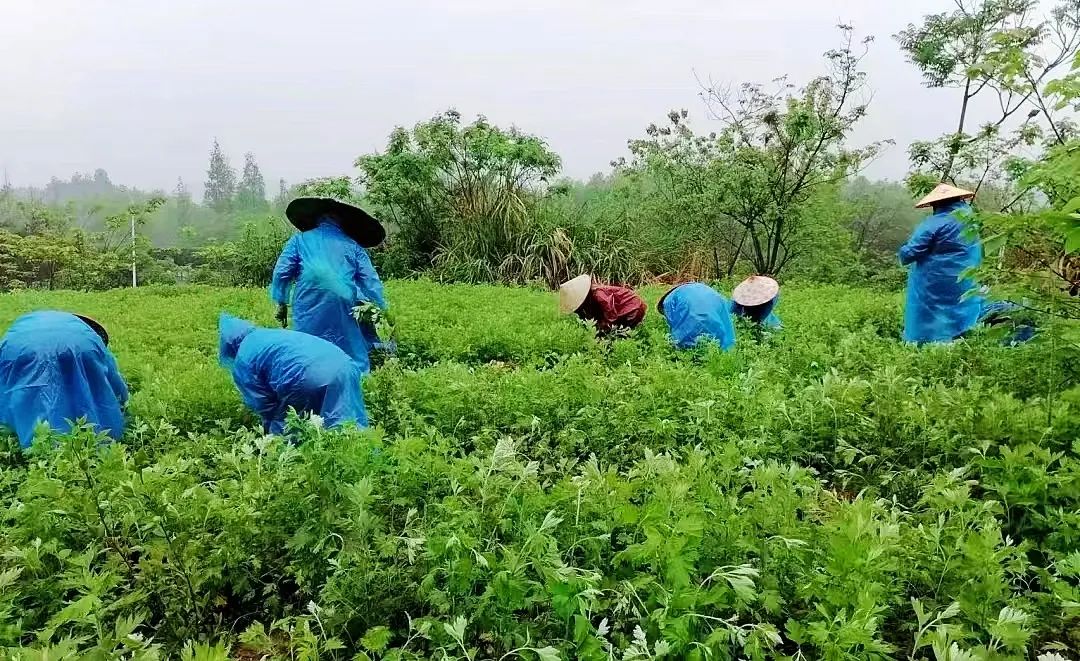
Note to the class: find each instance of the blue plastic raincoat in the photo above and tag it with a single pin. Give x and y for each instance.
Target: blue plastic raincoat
(277, 369)
(996, 313)
(332, 274)
(992, 311)
(939, 252)
(761, 314)
(55, 369)
(695, 311)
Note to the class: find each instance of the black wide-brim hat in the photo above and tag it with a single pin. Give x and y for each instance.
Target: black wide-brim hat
(97, 327)
(361, 226)
(660, 303)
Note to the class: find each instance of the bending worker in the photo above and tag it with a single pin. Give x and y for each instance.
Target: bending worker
(332, 271)
(695, 311)
(1010, 316)
(938, 253)
(55, 368)
(755, 299)
(277, 369)
(608, 306)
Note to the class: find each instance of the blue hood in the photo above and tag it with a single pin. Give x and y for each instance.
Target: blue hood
(232, 332)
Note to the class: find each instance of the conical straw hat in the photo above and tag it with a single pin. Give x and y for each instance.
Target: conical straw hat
(942, 193)
(755, 290)
(573, 293)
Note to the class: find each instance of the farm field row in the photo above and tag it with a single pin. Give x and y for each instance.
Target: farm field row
(528, 492)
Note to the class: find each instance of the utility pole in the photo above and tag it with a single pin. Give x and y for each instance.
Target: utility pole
(134, 277)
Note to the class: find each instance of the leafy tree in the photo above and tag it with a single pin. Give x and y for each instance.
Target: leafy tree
(122, 237)
(776, 149)
(220, 181)
(80, 188)
(183, 204)
(458, 192)
(7, 208)
(678, 175)
(283, 195)
(881, 214)
(181, 192)
(46, 256)
(12, 274)
(828, 251)
(251, 193)
(249, 260)
(990, 48)
(1036, 251)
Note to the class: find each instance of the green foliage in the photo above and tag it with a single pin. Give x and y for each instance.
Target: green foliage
(458, 195)
(882, 215)
(527, 492)
(1036, 249)
(992, 48)
(339, 188)
(220, 187)
(249, 260)
(53, 255)
(777, 150)
(251, 191)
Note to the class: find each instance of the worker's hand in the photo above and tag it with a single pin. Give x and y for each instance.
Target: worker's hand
(283, 315)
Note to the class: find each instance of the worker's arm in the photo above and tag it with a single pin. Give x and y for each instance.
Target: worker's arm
(366, 279)
(116, 381)
(919, 245)
(286, 271)
(257, 395)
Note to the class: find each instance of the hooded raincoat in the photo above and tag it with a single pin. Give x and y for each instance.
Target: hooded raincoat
(938, 252)
(277, 369)
(55, 369)
(332, 274)
(695, 311)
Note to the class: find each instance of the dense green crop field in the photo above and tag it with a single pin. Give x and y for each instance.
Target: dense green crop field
(528, 492)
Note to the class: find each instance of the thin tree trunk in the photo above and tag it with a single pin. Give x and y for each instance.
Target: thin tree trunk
(735, 257)
(955, 146)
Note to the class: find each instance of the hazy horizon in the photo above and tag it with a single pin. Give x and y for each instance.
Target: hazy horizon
(142, 90)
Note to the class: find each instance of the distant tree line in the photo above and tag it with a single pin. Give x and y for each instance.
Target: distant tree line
(75, 233)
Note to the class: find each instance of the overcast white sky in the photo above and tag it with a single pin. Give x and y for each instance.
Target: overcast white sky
(141, 87)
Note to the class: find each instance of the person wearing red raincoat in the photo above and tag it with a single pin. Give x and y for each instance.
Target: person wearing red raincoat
(610, 307)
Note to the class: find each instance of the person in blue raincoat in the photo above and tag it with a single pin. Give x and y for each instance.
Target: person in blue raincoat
(277, 369)
(327, 271)
(56, 368)
(695, 311)
(755, 298)
(937, 307)
(1009, 315)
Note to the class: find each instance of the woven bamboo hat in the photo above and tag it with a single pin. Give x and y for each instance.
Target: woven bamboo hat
(573, 293)
(755, 290)
(944, 193)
